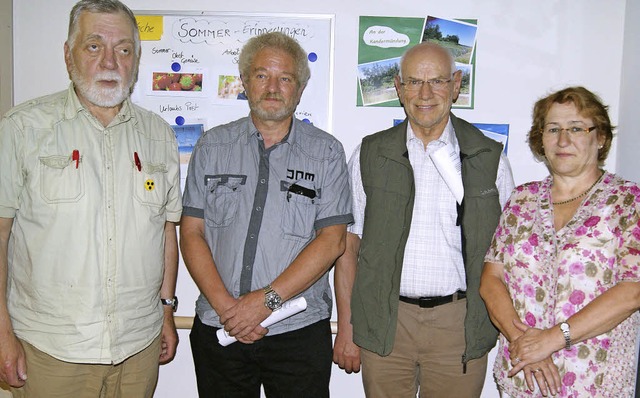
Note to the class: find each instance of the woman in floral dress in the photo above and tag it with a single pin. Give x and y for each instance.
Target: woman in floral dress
(561, 278)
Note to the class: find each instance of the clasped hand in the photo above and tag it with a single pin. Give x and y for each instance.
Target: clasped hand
(242, 319)
(531, 353)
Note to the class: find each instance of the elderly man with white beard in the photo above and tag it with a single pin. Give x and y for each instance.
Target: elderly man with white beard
(89, 198)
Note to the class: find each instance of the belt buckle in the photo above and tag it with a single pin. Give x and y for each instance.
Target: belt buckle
(427, 303)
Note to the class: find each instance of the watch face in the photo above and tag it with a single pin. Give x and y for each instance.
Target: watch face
(273, 301)
(564, 326)
(171, 302)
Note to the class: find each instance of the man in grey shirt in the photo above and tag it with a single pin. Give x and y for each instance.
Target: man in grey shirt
(266, 207)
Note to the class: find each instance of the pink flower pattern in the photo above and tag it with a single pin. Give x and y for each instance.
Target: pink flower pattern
(596, 249)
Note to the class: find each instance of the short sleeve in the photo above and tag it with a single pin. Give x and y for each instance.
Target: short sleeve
(335, 204)
(504, 179)
(174, 196)
(11, 177)
(495, 253)
(358, 195)
(628, 254)
(194, 190)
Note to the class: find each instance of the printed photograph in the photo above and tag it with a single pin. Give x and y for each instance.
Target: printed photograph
(457, 36)
(230, 87)
(497, 132)
(170, 81)
(187, 135)
(375, 80)
(466, 88)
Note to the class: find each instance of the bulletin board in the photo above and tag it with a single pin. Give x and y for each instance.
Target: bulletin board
(383, 40)
(189, 66)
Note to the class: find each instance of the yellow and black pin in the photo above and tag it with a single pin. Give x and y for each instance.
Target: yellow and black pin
(149, 185)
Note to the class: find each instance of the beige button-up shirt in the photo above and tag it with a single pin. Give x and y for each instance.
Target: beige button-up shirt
(86, 253)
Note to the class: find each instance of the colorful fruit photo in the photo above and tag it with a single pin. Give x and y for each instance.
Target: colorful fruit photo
(168, 81)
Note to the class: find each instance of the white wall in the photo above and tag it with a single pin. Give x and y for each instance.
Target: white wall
(6, 62)
(628, 132)
(525, 50)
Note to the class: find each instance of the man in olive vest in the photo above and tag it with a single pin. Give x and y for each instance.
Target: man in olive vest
(427, 197)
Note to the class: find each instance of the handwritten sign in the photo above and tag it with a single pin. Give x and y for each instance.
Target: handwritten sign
(150, 27)
(385, 37)
(189, 64)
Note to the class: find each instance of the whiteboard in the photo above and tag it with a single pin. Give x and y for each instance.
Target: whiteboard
(189, 64)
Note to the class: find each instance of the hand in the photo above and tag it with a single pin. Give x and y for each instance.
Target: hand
(13, 369)
(169, 337)
(243, 319)
(546, 375)
(534, 345)
(346, 354)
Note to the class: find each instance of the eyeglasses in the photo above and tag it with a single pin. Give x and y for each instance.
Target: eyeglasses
(415, 85)
(574, 131)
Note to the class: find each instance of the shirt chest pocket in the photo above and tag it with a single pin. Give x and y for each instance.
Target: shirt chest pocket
(150, 184)
(299, 210)
(60, 180)
(223, 196)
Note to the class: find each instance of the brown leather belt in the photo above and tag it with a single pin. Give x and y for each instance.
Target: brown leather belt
(430, 302)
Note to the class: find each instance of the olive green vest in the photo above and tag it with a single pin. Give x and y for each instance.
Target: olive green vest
(388, 182)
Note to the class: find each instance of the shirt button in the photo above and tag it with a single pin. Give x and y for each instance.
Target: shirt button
(252, 236)
(258, 208)
(262, 181)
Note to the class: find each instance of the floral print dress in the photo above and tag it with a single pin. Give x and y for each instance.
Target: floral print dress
(552, 274)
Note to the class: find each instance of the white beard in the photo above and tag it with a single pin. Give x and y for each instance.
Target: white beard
(101, 96)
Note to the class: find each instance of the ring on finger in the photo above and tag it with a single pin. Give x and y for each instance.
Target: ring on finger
(536, 370)
(516, 360)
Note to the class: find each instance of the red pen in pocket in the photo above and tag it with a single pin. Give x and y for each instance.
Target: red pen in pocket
(76, 157)
(136, 160)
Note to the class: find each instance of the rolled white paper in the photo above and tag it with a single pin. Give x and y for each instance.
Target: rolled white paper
(444, 159)
(288, 309)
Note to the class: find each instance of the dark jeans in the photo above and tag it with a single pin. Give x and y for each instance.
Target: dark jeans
(295, 364)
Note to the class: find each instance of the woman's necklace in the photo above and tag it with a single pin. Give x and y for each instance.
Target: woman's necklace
(564, 202)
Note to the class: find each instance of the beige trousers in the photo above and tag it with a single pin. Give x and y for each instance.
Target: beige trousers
(49, 377)
(426, 357)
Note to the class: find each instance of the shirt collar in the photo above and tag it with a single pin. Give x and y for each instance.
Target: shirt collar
(290, 138)
(74, 106)
(448, 136)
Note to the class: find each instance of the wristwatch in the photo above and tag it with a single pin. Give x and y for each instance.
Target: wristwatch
(566, 330)
(173, 302)
(272, 300)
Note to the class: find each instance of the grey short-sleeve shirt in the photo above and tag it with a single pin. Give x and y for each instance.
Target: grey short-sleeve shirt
(261, 207)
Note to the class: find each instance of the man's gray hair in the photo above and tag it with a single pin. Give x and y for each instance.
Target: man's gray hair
(101, 7)
(276, 41)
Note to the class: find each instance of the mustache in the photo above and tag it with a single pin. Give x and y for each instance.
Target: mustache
(275, 96)
(112, 76)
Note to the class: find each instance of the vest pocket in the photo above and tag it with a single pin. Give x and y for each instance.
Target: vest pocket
(59, 181)
(222, 198)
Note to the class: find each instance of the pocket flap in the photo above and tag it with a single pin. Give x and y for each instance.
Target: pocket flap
(56, 161)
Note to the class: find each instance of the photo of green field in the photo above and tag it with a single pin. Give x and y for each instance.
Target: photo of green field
(459, 37)
(376, 80)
